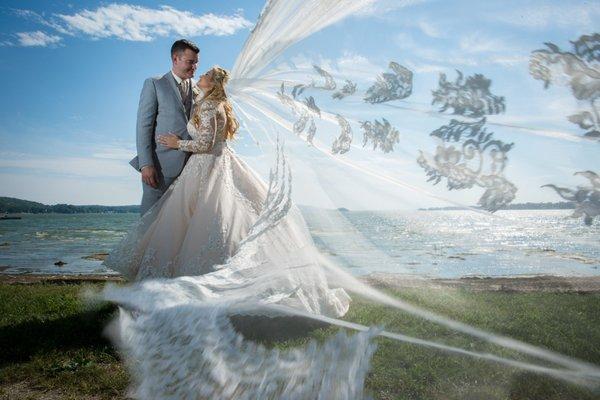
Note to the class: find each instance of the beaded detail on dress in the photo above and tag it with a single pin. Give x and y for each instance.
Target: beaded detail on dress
(206, 127)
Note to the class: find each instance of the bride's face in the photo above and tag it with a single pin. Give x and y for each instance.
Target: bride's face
(205, 82)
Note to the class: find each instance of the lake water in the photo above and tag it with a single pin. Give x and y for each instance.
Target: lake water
(427, 243)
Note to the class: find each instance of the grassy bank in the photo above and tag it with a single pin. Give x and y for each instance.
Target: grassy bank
(51, 346)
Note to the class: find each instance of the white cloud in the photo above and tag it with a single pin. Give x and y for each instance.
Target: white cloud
(510, 61)
(446, 57)
(424, 68)
(26, 13)
(497, 51)
(384, 7)
(541, 16)
(50, 189)
(405, 41)
(100, 175)
(37, 38)
(350, 65)
(84, 167)
(137, 23)
(429, 29)
(471, 50)
(479, 43)
(115, 152)
(357, 66)
(40, 19)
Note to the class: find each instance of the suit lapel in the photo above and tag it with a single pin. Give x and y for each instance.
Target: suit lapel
(173, 83)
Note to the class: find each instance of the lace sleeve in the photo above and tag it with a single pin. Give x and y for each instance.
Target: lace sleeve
(205, 121)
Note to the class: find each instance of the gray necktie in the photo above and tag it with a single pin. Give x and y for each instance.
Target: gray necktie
(183, 86)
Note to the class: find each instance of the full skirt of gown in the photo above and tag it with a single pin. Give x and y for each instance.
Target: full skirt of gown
(196, 230)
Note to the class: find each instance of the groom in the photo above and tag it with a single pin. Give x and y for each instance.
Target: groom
(165, 106)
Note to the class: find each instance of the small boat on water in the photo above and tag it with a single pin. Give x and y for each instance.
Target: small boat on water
(6, 216)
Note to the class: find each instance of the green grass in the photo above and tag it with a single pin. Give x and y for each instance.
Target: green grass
(567, 323)
(52, 347)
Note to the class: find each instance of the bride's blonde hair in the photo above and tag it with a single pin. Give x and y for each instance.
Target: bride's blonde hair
(220, 77)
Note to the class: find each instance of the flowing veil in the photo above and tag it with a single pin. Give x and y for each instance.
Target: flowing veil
(408, 164)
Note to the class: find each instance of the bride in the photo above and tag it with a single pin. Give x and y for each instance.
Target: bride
(217, 204)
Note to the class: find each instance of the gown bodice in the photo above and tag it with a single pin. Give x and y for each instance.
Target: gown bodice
(206, 127)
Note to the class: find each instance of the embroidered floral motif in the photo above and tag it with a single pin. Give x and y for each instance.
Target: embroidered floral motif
(205, 172)
(206, 127)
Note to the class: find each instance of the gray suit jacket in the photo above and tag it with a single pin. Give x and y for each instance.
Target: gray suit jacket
(161, 110)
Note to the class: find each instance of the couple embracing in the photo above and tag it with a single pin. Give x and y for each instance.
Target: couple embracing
(199, 199)
(202, 203)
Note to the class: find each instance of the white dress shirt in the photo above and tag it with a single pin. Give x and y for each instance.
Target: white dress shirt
(179, 80)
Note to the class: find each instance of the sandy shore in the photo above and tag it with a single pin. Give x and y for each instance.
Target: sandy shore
(383, 280)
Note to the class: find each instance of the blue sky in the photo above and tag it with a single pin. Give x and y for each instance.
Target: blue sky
(68, 108)
(71, 73)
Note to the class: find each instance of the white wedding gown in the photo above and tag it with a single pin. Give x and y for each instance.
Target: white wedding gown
(220, 242)
(203, 217)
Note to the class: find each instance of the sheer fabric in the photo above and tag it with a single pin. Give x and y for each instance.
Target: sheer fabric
(205, 215)
(366, 132)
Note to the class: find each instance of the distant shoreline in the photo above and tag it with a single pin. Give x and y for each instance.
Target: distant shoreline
(539, 283)
(69, 213)
(11, 205)
(565, 205)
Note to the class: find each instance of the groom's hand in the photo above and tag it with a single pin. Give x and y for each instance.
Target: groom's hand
(150, 176)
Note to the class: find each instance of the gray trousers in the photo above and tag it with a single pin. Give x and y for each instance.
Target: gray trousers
(151, 195)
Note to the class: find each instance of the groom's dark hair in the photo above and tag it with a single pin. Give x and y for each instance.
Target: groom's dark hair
(182, 45)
